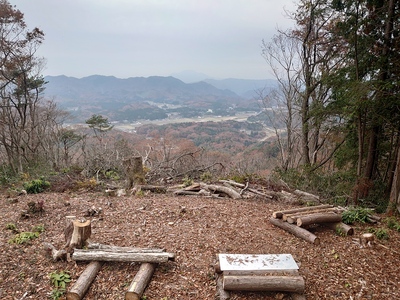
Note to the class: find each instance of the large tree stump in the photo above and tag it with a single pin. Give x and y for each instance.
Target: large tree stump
(140, 281)
(296, 230)
(84, 281)
(293, 284)
(76, 234)
(134, 171)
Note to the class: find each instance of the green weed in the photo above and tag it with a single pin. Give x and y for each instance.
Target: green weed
(36, 186)
(23, 237)
(354, 215)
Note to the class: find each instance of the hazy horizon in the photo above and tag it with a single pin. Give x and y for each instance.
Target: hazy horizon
(152, 38)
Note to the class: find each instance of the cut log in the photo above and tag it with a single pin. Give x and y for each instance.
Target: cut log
(76, 234)
(244, 187)
(279, 214)
(293, 284)
(140, 281)
(221, 293)
(159, 189)
(319, 218)
(98, 246)
(222, 189)
(306, 195)
(186, 193)
(292, 218)
(341, 228)
(296, 230)
(104, 255)
(84, 281)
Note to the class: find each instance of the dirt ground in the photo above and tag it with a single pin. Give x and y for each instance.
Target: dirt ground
(196, 229)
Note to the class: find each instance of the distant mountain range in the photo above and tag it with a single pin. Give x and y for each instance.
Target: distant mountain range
(152, 97)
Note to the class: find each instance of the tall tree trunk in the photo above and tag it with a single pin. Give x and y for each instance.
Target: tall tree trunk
(394, 200)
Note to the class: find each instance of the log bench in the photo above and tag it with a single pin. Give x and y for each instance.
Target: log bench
(258, 272)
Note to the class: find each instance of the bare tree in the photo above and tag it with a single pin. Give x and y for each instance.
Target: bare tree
(282, 55)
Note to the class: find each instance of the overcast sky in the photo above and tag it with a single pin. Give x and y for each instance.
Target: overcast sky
(129, 38)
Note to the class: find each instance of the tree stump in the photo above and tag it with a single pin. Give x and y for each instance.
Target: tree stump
(367, 239)
(134, 171)
(76, 234)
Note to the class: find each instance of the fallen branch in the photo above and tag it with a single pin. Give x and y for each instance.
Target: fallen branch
(56, 254)
(245, 188)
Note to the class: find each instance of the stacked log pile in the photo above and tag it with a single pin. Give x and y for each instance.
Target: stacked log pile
(297, 220)
(77, 233)
(99, 253)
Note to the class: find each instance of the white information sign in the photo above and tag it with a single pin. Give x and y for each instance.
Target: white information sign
(257, 262)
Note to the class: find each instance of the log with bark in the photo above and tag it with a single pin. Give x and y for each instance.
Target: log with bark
(340, 228)
(84, 281)
(109, 255)
(100, 246)
(158, 189)
(279, 214)
(293, 284)
(307, 196)
(329, 217)
(140, 281)
(296, 230)
(221, 189)
(292, 218)
(245, 187)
